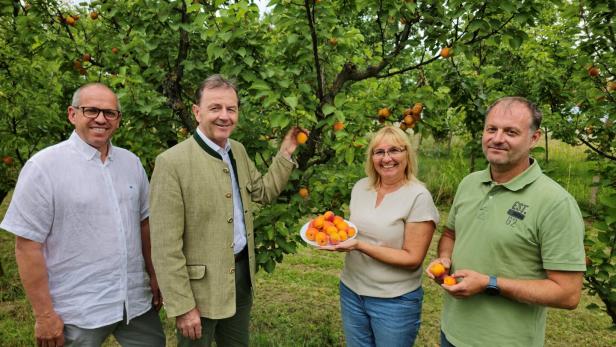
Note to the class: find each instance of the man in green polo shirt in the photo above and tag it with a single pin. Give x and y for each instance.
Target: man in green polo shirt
(513, 240)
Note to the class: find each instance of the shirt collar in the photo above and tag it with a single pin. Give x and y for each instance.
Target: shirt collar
(520, 181)
(85, 149)
(211, 143)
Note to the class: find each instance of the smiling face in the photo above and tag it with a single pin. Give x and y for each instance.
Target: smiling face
(97, 131)
(390, 160)
(217, 113)
(508, 138)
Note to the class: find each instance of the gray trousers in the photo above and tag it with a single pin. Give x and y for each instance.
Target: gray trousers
(143, 331)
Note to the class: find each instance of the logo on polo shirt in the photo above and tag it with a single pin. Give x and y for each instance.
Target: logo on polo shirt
(516, 212)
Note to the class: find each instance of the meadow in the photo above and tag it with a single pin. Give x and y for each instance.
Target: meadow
(297, 305)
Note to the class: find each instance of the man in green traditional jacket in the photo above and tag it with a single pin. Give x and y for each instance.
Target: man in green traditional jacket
(201, 221)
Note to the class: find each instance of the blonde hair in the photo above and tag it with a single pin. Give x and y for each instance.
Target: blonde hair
(400, 138)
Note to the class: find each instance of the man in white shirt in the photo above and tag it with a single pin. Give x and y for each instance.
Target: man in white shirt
(80, 215)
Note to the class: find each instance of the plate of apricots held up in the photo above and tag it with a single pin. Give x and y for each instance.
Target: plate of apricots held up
(327, 229)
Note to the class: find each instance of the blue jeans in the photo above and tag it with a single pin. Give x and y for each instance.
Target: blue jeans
(386, 322)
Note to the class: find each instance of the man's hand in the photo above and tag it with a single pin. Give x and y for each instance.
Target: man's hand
(49, 330)
(469, 283)
(446, 262)
(157, 297)
(189, 324)
(289, 144)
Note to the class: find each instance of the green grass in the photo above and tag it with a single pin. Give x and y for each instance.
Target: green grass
(298, 304)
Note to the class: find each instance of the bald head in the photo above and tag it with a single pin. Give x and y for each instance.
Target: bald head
(76, 101)
(507, 103)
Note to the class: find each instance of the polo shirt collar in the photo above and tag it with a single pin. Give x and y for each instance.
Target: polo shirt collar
(87, 151)
(522, 180)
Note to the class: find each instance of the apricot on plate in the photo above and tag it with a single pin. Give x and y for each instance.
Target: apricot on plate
(329, 216)
(334, 238)
(321, 239)
(311, 234)
(343, 235)
(318, 222)
(351, 231)
(329, 230)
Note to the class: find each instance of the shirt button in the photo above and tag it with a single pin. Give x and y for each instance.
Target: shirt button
(230, 220)
(228, 195)
(225, 170)
(232, 271)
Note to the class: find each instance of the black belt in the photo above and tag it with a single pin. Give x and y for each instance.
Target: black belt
(243, 253)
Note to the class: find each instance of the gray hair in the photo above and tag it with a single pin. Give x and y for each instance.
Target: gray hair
(76, 101)
(535, 113)
(213, 82)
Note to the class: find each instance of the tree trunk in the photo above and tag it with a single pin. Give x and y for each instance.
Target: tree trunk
(547, 152)
(472, 166)
(3, 195)
(594, 190)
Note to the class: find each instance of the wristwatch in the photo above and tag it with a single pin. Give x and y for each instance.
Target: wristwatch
(492, 288)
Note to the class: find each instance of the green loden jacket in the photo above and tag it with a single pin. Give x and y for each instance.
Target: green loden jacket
(191, 223)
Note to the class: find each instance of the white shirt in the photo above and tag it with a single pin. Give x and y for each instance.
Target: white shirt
(87, 214)
(239, 228)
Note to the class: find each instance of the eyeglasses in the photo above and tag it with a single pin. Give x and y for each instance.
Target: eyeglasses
(393, 152)
(93, 112)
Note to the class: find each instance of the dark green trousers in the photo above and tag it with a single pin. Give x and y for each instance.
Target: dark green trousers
(232, 331)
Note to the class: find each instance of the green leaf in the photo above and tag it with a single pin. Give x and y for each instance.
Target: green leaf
(291, 101)
(349, 155)
(280, 120)
(515, 42)
(328, 109)
(340, 100)
(609, 200)
(193, 8)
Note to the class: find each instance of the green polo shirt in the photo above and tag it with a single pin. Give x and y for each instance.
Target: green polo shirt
(514, 230)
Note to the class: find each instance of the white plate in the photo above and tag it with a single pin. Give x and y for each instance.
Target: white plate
(302, 233)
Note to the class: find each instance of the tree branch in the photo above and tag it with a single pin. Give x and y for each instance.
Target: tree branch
(315, 47)
(596, 150)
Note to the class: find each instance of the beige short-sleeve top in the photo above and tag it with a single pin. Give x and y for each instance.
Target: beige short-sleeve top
(384, 225)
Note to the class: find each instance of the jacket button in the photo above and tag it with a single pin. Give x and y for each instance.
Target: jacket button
(225, 170)
(230, 220)
(232, 270)
(228, 195)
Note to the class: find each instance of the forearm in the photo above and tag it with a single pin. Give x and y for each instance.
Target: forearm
(266, 188)
(391, 256)
(445, 244)
(146, 248)
(33, 273)
(545, 292)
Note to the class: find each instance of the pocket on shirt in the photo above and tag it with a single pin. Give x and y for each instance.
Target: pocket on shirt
(130, 197)
(196, 272)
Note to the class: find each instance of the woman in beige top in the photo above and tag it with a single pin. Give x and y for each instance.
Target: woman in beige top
(380, 285)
